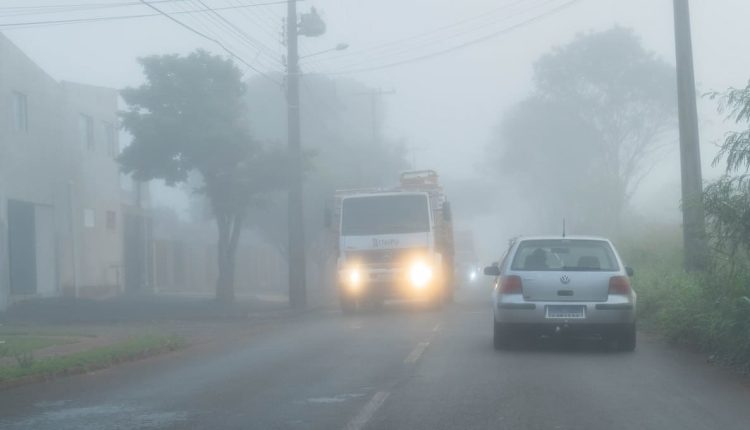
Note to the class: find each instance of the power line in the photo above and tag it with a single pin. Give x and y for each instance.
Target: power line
(19, 25)
(398, 53)
(242, 35)
(216, 41)
(400, 42)
(273, 18)
(438, 41)
(207, 25)
(460, 46)
(269, 28)
(214, 19)
(75, 7)
(438, 38)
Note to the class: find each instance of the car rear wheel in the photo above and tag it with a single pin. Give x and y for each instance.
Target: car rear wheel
(501, 335)
(627, 338)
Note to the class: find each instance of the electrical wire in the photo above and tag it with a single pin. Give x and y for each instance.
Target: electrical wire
(440, 42)
(436, 31)
(216, 41)
(207, 25)
(35, 24)
(66, 8)
(240, 33)
(268, 28)
(460, 46)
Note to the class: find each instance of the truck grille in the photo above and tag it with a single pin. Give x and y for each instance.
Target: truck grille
(384, 257)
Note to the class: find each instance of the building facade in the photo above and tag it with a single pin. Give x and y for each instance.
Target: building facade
(60, 198)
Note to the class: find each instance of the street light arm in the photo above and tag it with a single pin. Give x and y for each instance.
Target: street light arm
(339, 47)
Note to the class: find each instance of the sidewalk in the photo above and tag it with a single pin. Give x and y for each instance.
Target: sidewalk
(140, 308)
(47, 338)
(57, 327)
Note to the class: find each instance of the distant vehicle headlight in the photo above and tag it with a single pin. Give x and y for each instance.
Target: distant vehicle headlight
(473, 275)
(420, 274)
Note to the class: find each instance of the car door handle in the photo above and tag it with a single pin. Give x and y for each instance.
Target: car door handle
(564, 292)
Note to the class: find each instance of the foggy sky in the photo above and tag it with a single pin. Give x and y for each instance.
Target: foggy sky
(445, 107)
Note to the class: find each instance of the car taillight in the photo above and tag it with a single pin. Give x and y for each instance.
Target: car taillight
(511, 285)
(619, 285)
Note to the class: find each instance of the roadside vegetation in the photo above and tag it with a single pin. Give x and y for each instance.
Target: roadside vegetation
(710, 310)
(707, 311)
(23, 343)
(25, 368)
(607, 96)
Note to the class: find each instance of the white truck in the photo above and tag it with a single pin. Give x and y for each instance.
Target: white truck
(394, 243)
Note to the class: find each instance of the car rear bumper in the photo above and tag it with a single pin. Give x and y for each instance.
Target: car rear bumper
(617, 310)
(569, 329)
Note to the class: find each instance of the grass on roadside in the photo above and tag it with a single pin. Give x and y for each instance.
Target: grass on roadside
(43, 331)
(708, 311)
(21, 344)
(96, 358)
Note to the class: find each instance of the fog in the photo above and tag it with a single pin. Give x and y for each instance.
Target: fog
(374, 214)
(443, 109)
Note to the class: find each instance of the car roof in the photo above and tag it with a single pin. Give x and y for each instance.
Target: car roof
(567, 237)
(384, 194)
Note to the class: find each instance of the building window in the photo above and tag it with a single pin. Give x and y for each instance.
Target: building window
(110, 138)
(20, 112)
(89, 221)
(86, 131)
(111, 220)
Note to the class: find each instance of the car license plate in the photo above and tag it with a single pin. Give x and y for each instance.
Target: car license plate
(565, 312)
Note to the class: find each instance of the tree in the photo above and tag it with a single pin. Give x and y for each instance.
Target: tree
(586, 137)
(337, 135)
(727, 200)
(190, 116)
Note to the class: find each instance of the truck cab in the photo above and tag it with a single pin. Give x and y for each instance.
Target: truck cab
(392, 244)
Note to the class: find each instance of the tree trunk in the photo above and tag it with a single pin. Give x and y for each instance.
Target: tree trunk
(230, 227)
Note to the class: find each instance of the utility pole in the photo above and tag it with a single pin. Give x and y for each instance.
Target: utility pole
(297, 287)
(309, 25)
(374, 95)
(693, 217)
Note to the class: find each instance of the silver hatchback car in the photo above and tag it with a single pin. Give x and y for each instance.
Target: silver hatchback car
(559, 285)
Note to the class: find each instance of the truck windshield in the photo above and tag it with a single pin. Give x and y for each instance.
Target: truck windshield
(391, 214)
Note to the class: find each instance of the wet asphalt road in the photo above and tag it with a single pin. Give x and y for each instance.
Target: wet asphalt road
(402, 368)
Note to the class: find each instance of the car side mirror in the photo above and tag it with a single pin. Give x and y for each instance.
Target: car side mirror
(629, 271)
(492, 271)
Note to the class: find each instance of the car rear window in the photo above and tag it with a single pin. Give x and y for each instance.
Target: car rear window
(565, 254)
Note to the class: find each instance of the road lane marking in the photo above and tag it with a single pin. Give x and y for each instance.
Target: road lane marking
(334, 399)
(368, 411)
(416, 352)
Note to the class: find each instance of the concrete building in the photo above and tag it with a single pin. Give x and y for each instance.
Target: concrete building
(60, 201)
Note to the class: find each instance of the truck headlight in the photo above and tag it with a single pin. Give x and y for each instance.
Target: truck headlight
(420, 274)
(354, 278)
